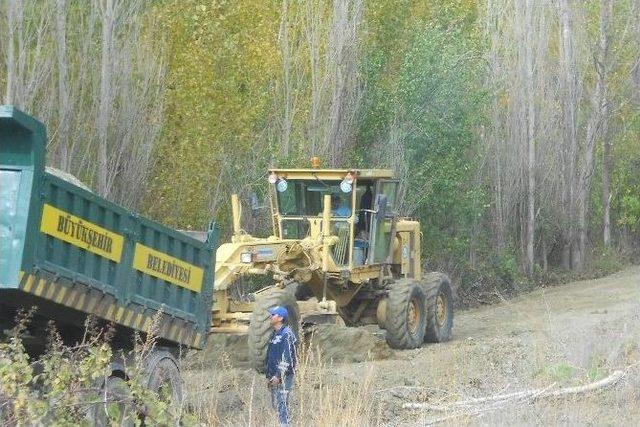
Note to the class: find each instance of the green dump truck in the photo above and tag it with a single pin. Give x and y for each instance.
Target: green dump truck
(71, 253)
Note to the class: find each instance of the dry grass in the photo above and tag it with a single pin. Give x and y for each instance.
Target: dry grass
(220, 394)
(557, 337)
(558, 348)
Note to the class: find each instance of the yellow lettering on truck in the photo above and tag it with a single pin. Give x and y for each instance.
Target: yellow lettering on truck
(81, 233)
(165, 267)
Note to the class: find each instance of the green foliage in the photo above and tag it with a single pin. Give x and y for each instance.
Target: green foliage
(630, 205)
(562, 373)
(66, 388)
(427, 82)
(507, 267)
(605, 261)
(626, 178)
(596, 372)
(222, 64)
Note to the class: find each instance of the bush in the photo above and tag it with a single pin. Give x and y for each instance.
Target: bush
(606, 261)
(64, 386)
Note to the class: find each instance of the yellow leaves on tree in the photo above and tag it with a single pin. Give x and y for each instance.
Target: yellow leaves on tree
(223, 61)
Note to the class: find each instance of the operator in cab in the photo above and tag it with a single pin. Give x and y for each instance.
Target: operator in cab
(340, 206)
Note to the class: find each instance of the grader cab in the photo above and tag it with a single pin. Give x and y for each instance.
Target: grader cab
(339, 251)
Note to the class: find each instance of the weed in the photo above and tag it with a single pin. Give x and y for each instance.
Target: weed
(67, 384)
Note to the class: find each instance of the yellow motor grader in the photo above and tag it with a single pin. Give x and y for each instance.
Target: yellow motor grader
(339, 252)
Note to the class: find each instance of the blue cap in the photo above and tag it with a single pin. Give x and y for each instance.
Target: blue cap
(280, 311)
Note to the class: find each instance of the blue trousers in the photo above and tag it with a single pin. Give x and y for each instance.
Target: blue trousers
(280, 399)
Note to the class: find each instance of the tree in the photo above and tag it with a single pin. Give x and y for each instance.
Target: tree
(94, 74)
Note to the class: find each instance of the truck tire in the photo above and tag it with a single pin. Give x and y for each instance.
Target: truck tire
(406, 316)
(115, 404)
(260, 326)
(164, 377)
(437, 287)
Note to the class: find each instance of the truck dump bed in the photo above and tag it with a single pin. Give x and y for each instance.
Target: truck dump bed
(70, 252)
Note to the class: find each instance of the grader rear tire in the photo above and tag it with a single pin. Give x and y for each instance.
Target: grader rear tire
(260, 327)
(439, 307)
(406, 317)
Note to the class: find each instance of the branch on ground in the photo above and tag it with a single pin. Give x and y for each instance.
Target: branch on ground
(480, 405)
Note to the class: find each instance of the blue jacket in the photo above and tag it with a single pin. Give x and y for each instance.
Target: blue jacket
(281, 353)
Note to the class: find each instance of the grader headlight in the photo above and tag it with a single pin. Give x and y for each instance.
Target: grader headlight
(246, 257)
(280, 182)
(347, 183)
(345, 186)
(282, 185)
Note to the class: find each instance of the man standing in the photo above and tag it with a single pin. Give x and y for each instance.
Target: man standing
(281, 362)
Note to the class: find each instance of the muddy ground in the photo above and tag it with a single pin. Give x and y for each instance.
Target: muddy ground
(553, 338)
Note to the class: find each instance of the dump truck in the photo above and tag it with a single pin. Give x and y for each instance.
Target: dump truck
(339, 252)
(71, 254)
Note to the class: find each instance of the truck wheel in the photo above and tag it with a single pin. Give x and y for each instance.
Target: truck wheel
(116, 405)
(164, 378)
(260, 327)
(439, 307)
(406, 317)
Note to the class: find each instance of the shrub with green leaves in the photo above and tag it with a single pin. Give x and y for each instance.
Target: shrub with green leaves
(65, 386)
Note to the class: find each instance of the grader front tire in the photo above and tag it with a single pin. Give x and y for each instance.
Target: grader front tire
(405, 316)
(260, 326)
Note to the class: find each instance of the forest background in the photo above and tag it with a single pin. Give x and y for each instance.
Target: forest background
(514, 124)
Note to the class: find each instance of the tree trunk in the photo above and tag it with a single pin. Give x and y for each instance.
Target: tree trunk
(106, 98)
(313, 33)
(570, 144)
(342, 60)
(606, 13)
(594, 128)
(287, 97)
(531, 139)
(63, 92)
(607, 167)
(493, 140)
(12, 7)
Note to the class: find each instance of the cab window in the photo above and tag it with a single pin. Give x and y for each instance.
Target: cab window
(305, 198)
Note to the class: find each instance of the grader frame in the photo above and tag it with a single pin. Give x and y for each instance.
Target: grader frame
(336, 237)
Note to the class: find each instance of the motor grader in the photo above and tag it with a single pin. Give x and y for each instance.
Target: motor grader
(338, 252)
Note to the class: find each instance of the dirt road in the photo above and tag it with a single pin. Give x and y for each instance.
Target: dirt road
(568, 335)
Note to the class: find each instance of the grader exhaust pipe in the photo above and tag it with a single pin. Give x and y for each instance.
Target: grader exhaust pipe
(236, 212)
(326, 232)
